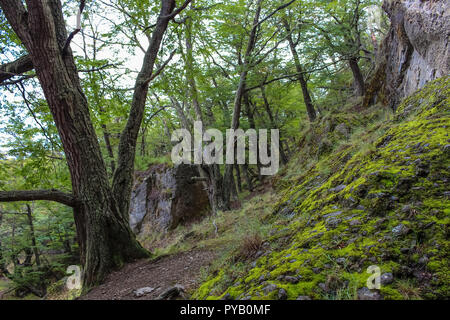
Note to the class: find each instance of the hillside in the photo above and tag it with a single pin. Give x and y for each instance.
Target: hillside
(379, 197)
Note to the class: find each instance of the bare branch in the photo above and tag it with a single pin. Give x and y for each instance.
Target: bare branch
(275, 11)
(32, 195)
(15, 68)
(160, 69)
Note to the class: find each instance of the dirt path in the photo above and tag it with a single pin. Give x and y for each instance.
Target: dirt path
(178, 269)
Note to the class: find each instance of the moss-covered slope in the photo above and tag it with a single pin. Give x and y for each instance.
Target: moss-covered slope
(377, 195)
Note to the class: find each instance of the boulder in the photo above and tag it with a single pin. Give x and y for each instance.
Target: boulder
(164, 197)
(416, 49)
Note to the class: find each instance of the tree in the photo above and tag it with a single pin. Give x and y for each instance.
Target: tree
(100, 207)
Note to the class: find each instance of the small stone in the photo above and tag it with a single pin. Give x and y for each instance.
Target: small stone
(269, 288)
(227, 297)
(316, 270)
(332, 222)
(366, 294)
(386, 278)
(282, 294)
(292, 261)
(291, 279)
(143, 291)
(399, 230)
(355, 222)
(323, 286)
(303, 298)
(341, 261)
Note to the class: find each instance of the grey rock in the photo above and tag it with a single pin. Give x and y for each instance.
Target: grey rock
(269, 288)
(355, 222)
(164, 197)
(143, 291)
(417, 50)
(332, 222)
(282, 294)
(386, 278)
(366, 294)
(303, 298)
(400, 230)
(291, 279)
(341, 261)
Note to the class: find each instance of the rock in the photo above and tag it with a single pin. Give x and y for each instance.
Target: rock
(400, 230)
(143, 291)
(227, 297)
(332, 222)
(303, 298)
(341, 261)
(366, 294)
(269, 288)
(333, 214)
(342, 130)
(355, 222)
(416, 47)
(282, 294)
(291, 279)
(339, 188)
(323, 286)
(386, 278)
(164, 197)
(172, 293)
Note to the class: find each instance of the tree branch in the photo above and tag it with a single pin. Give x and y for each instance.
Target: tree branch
(32, 195)
(15, 68)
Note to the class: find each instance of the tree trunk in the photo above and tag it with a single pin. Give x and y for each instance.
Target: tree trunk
(358, 77)
(33, 237)
(301, 77)
(101, 215)
(238, 98)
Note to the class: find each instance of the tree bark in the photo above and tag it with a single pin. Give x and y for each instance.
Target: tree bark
(18, 67)
(32, 195)
(357, 76)
(33, 237)
(101, 218)
(238, 98)
(301, 77)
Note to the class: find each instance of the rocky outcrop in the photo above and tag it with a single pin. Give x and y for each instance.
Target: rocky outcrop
(164, 197)
(416, 49)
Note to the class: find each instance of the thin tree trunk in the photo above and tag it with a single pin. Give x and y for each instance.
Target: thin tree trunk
(33, 237)
(238, 97)
(301, 78)
(238, 177)
(358, 77)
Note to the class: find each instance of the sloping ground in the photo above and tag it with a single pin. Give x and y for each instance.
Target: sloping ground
(181, 269)
(379, 197)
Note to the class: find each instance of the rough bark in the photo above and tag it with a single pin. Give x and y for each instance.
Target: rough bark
(18, 67)
(357, 76)
(301, 77)
(33, 236)
(32, 195)
(238, 97)
(101, 218)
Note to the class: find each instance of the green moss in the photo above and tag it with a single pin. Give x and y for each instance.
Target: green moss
(377, 198)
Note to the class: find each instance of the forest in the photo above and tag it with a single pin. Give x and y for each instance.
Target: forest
(125, 172)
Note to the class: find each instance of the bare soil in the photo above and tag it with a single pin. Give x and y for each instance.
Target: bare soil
(179, 269)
